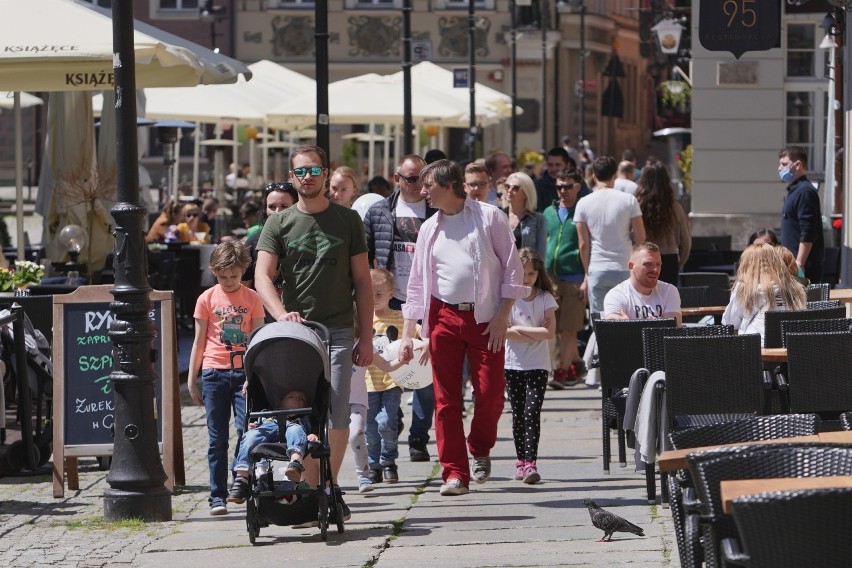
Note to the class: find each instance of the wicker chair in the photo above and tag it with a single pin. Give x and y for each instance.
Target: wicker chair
(694, 296)
(806, 326)
(713, 379)
(719, 284)
(817, 292)
(819, 372)
(822, 304)
(652, 348)
(709, 468)
(790, 529)
(846, 421)
(684, 503)
(772, 322)
(620, 354)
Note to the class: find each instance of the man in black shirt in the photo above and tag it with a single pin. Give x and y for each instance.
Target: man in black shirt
(801, 217)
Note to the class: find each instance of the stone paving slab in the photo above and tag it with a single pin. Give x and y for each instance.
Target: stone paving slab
(499, 523)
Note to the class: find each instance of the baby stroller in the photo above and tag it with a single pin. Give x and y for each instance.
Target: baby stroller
(281, 357)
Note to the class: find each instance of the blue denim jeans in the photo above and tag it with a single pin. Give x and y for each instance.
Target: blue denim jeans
(295, 435)
(382, 427)
(422, 412)
(222, 391)
(601, 282)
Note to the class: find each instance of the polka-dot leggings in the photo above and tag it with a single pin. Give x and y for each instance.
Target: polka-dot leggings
(526, 395)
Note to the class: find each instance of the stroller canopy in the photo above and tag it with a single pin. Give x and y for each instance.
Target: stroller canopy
(285, 356)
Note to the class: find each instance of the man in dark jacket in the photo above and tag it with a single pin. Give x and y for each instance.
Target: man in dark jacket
(801, 217)
(391, 227)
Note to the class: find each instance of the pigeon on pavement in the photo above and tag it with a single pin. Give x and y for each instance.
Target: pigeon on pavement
(609, 523)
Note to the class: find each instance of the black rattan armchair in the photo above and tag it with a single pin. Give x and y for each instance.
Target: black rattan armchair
(805, 326)
(620, 354)
(846, 421)
(773, 319)
(684, 503)
(816, 292)
(819, 373)
(791, 529)
(710, 467)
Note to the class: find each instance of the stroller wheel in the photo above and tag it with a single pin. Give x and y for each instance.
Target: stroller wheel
(252, 525)
(337, 504)
(323, 514)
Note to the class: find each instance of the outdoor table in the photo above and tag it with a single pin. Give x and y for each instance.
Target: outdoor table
(673, 460)
(703, 311)
(844, 295)
(774, 354)
(733, 488)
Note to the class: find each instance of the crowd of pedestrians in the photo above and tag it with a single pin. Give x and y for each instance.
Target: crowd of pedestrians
(487, 266)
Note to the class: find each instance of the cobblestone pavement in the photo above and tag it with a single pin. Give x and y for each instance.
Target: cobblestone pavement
(70, 531)
(500, 523)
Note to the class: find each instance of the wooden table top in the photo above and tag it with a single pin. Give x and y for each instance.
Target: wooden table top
(774, 354)
(842, 294)
(733, 488)
(673, 460)
(704, 311)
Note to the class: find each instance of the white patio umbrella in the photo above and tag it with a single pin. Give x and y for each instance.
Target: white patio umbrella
(62, 45)
(371, 99)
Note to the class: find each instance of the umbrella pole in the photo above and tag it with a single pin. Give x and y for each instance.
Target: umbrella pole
(371, 151)
(196, 159)
(386, 153)
(176, 165)
(264, 160)
(19, 177)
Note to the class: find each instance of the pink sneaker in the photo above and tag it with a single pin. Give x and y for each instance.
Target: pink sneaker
(519, 470)
(531, 475)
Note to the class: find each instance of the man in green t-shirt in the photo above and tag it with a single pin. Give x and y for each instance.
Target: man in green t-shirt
(321, 251)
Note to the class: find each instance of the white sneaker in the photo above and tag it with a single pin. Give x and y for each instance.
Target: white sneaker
(453, 486)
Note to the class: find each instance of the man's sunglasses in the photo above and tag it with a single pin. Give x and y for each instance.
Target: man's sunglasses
(191, 215)
(302, 172)
(409, 179)
(565, 185)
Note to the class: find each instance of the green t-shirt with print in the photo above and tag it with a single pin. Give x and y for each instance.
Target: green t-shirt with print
(314, 252)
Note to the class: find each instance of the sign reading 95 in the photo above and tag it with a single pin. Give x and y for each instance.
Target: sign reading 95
(738, 26)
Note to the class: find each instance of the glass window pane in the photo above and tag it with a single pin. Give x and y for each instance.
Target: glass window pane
(798, 131)
(800, 64)
(800, 36)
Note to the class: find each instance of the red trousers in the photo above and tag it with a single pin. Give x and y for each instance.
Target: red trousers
(453, 335)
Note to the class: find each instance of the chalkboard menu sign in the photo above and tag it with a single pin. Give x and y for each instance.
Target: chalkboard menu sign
(87, 365)
(83, 395)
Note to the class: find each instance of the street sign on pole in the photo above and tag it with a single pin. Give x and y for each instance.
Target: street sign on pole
(461, 77)
(738, 26)
(421, 50)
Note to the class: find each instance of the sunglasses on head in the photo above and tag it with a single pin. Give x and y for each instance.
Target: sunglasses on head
(302, 172)
(409, 179)
(270, 187)
(565, 185)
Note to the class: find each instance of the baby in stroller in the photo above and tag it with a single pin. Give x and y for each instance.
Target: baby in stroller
(290, 363)
(260, 431)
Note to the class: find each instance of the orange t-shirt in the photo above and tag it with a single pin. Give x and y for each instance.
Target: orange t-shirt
(229, 318)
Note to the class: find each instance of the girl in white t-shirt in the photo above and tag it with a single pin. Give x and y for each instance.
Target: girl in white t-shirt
(531, 327)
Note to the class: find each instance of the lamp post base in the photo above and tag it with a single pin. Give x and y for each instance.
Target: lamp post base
(149, 506)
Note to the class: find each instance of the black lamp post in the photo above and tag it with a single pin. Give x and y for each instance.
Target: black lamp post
(471, 77)
(513, 56)
(207, 12)
(136, 477)
(321, 43)
(407, 120)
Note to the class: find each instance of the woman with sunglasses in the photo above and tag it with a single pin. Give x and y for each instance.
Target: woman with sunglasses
(276, 197)
(528, 226)
(193, 229)
(170, 215)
